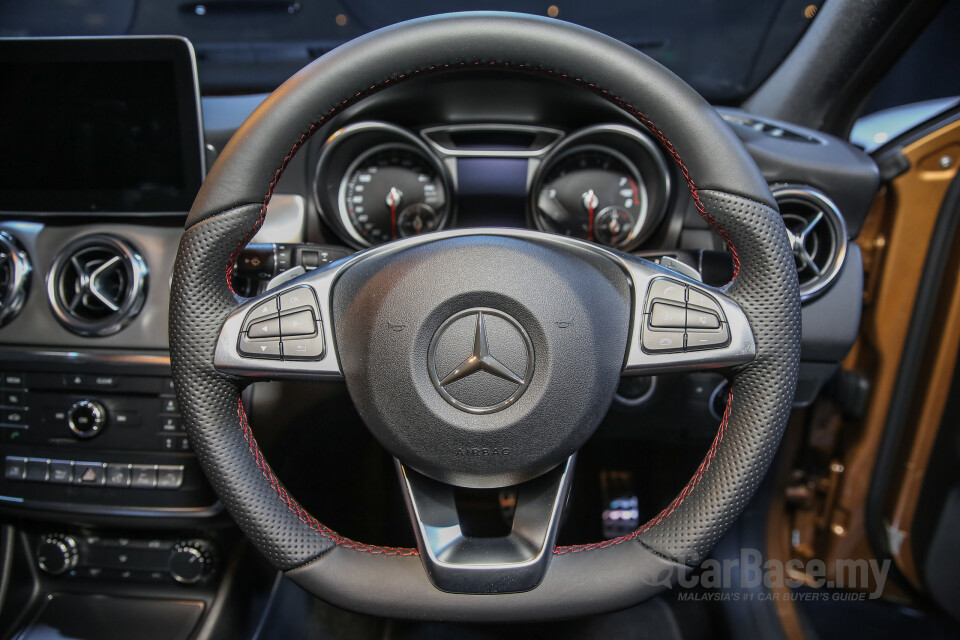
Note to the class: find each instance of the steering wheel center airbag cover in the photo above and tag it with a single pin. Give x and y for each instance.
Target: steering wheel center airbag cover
(482, 361)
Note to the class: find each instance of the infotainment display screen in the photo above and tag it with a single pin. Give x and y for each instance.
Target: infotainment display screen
(99, 125)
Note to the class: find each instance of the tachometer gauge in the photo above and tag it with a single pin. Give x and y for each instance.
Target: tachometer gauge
(390, 192)
(595, 194)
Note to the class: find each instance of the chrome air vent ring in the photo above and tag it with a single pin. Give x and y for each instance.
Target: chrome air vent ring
(97, 285)
(818, 236)
(15, 270)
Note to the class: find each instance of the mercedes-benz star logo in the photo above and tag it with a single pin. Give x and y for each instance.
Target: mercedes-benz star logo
(497, 370)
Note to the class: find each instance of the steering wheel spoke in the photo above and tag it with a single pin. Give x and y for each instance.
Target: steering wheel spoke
(285, 332)
(680, 324)
(457, 560)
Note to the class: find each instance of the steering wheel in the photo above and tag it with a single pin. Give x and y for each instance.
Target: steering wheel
(485, 357)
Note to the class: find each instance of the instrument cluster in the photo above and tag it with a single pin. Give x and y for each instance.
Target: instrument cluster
(375, 182)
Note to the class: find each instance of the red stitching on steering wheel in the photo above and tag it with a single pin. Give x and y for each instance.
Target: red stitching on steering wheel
(687, 490)
(626, 106)
(295, 507)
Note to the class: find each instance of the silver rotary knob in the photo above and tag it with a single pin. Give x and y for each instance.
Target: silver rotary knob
(57, 554)
(86, 419)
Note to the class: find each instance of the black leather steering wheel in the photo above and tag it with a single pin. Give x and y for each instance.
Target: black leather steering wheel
(490, 434)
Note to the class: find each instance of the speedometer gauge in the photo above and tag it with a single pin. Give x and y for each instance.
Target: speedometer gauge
(595, 194)
(390, 192)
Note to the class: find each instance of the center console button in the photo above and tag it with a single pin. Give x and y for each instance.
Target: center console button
(88, 473)
(61, 471)
(16, 468)
(38, 469)
(144, 476)
(169, 476)
(118, 475)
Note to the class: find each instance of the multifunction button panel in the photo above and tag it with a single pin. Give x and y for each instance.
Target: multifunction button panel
(118, 475)
(679, 317)
(284, 327)
(104, 411)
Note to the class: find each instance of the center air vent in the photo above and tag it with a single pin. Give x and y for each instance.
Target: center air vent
(97, 285)
(818, 236)
(14, 277)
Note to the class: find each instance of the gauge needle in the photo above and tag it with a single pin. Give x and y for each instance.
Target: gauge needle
(590, 201)
(393, 201)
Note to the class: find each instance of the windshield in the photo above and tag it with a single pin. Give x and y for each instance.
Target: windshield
(724, 48)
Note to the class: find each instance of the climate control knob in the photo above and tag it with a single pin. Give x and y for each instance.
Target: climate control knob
(86, 419)
(191, 561)
(57, 554)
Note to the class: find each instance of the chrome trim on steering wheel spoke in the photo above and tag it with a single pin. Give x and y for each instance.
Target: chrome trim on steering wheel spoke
(459, 563)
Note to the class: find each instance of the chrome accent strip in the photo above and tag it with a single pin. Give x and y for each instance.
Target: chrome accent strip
(103, 510)
(430, 134)
(580, 139)
(838, 227)
(15, 293)
(459, 564)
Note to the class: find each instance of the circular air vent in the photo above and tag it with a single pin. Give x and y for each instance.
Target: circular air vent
(14, 277)
(97, 285)
(818, 236)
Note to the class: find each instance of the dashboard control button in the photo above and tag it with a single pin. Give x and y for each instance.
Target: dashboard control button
(61, 471)
(13, 398)
(104, 382)
(190, 561)
(13, 380)
(171, 424)
(125, 418)
(88, 473)
(168, 443)
(169, 405)
(299, 323)
(184, 443)
(265, 329)
(86, 419)
(298, 297)
(13, 416)
(143, 476)
(12, 435)
(667, 316)
(666, 289)
(259, 348)
(57, 554)
(118, 475)
(697, 340)
(697, 319)
(38, 469)
(658, 340)
(15, 469)
(74, 380)
(169, 476)
(304, 348)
